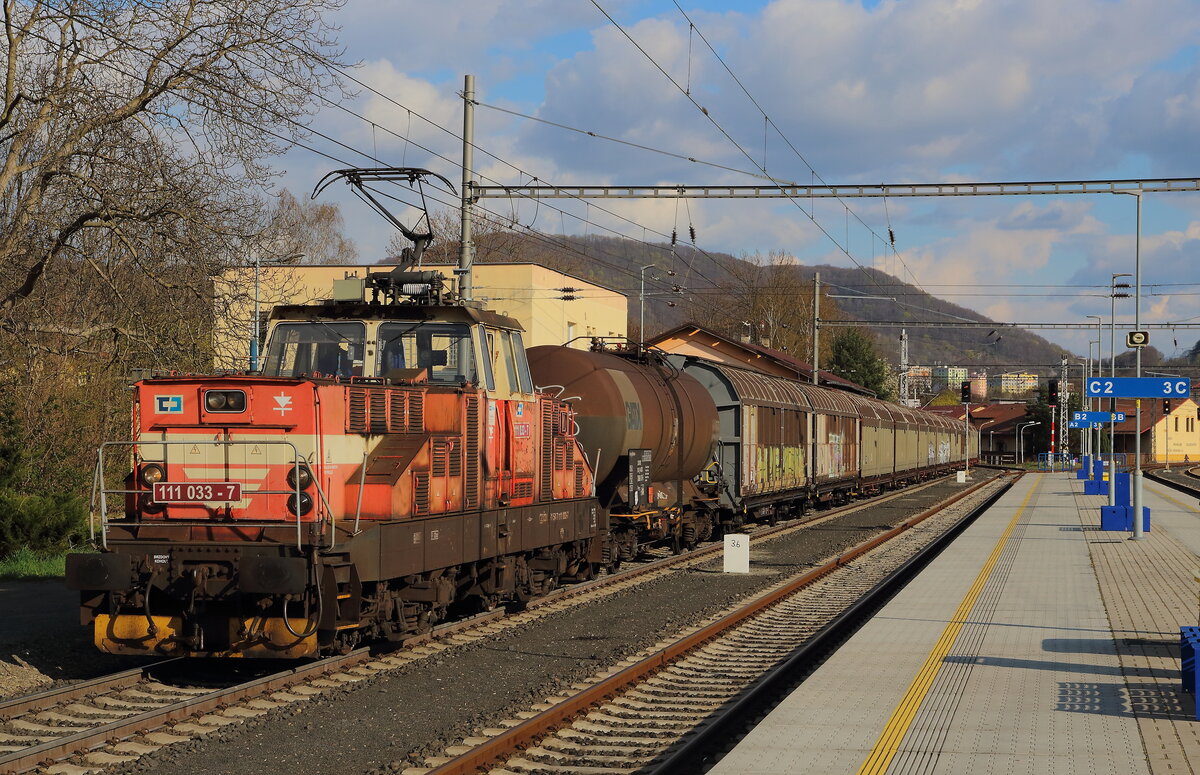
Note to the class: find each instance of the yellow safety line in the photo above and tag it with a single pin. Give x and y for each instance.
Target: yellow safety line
(1160, 493)
(888, 744)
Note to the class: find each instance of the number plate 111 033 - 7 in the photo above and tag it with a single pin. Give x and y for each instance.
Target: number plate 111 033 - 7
(196, 492)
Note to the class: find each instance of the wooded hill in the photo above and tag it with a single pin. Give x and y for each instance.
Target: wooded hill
(773, 293)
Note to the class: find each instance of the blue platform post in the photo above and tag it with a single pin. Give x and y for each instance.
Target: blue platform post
(1189, 638)
(1096, 485)
(1085, 470)
(1120, 516)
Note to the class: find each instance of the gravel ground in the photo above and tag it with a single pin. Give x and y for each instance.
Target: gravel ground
(41, 641)
(394, 720)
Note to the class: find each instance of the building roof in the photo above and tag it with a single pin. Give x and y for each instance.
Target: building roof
(1151, 412)
(1001, 418)
(803, 369)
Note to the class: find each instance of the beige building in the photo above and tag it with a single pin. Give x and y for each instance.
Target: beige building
(1014, 383)
(1171, 437)
(531, 293)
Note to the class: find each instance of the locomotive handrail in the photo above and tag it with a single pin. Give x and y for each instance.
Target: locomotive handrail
(104, 492)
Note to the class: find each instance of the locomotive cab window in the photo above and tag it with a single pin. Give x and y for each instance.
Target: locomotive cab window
(330, 349)
(445, 350)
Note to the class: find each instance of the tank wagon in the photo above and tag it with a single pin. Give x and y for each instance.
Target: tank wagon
(776, 446)
(402, 458)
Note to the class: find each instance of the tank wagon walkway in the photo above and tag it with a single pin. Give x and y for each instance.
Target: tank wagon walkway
(1036, 643)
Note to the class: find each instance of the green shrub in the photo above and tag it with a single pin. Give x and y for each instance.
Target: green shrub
(42, 524)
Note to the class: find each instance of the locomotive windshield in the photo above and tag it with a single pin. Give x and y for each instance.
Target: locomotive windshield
(331, 349)
(443, 349)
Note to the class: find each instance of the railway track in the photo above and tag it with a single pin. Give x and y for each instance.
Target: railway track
(1185, 479)
(115, 719)
(662, 710)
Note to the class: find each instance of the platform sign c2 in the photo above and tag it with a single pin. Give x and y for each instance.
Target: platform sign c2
(1140, 387)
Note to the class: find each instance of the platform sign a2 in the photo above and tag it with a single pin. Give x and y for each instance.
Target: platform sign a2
(1140, 387)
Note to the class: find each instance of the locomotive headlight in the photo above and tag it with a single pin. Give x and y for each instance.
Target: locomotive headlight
(300, 506)
(151, 473)
(225, 400)
(299, 476)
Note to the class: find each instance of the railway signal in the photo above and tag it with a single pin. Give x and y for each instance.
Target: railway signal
(1052, 392)
(966, 392)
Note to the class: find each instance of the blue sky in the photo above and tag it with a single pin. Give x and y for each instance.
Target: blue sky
(911, 91)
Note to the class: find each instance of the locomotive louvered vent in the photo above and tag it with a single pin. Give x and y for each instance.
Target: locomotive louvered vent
(416, 412)
(471, 485)
(420, 493)
(570, 459)
(441, 451)
(379, 407)
(397, 420)
(547, 451)
(455, 459)
(560, 455)
(579, 480)
(356, 415)
(523, 490)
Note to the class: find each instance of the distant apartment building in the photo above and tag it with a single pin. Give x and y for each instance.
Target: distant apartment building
(947, 377)
(1014, 384)
(919, 379)
(979, 387)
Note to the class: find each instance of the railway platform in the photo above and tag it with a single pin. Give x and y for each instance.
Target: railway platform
(1036, 643)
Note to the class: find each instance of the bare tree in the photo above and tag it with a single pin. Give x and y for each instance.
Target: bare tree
(149, 122)
(770, 300)
(305, 232)
(134, 140)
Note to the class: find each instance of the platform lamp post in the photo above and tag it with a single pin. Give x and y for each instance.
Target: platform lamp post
(1021, 439)
(991, 437)
(1097, 371)
(255, 333)
(1137, 361)
(1115, 293)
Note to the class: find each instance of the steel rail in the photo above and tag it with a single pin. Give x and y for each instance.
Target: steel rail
(712, 549)
(553, 718)
(29, 758)
(1184, 487)
(815, 648)
(18, 706)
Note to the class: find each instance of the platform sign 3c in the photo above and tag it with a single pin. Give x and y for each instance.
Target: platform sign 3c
(1140, 387)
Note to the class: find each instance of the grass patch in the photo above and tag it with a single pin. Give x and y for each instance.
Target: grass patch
(28, 565)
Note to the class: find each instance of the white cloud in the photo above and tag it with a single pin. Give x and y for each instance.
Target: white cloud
(920, 90)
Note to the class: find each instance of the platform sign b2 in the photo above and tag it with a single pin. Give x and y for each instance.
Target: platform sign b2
(1097, 417)
(1140, 387)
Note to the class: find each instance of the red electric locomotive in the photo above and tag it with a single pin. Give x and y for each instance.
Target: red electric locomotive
(392, 461)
